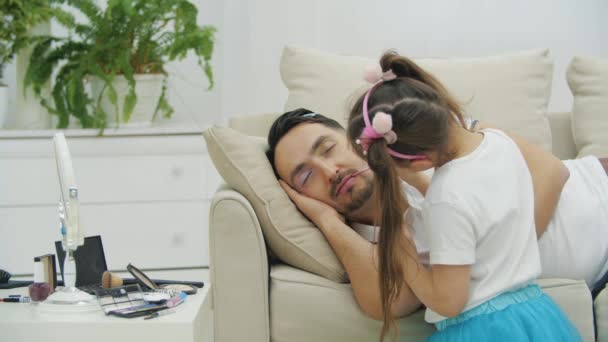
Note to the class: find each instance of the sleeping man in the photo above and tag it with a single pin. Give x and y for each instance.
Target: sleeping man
(324, 177)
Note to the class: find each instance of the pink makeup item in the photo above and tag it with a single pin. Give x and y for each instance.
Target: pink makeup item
(39, 290)
(346, 181)
(176, 300)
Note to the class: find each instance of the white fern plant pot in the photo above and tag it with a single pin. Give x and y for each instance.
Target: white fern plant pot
(148, 88)
(3, 105)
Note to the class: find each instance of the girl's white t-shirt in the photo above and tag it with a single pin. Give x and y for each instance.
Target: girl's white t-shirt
(479, 211)
(575, 244)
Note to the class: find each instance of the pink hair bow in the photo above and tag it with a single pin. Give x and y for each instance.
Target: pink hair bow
(374, 74)
(382, 125)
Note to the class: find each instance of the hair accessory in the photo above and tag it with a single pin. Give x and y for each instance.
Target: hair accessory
(382, 123)
(310, 115)
(373, 74)
(382, 127)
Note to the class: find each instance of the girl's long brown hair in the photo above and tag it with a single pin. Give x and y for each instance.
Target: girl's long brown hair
(423, 112)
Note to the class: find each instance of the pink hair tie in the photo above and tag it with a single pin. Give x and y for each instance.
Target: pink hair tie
(382, 126)
(373, 74)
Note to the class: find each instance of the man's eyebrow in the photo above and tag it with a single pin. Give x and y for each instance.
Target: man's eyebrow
(320, 140)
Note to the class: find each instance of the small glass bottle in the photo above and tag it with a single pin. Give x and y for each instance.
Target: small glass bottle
(40, 289)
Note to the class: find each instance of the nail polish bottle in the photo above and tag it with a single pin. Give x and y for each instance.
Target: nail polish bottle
(40, 289)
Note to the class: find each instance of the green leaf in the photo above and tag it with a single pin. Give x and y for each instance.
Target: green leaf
(37, 72)
(163, 106)
(124, 38)
(89, 8)
(129, 105)
(209, 74)
(112, 96)
(64, 18)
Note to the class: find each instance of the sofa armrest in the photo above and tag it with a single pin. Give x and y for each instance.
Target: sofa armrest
(561, 134)
(239, 270)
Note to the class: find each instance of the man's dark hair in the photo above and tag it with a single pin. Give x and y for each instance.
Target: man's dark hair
(289, 120)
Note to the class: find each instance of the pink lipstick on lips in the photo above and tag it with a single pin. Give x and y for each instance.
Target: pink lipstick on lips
(344, 184)
(359, 172)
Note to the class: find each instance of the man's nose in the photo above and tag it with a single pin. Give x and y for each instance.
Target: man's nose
(330, 171)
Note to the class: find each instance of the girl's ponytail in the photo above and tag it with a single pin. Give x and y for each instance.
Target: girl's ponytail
(422, 114)
(390, 242)
(405, 67)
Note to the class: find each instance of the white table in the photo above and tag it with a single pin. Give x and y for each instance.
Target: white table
(192, 321)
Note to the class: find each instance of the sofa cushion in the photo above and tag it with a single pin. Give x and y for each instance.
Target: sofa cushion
(242, 162)
(509, 91)
(588, 81)
(306, 307)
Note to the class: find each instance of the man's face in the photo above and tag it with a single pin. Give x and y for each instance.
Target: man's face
(317, 162)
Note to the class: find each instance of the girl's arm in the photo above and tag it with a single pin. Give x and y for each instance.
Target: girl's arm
(442, 288)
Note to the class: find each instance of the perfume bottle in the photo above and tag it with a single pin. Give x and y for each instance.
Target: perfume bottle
(40, 289)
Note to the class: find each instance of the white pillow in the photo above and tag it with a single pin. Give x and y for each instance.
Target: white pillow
(510, 91)
(588, 81)
(242, 162)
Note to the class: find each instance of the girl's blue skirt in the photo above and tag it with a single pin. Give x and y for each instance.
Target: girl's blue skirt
(526, 314)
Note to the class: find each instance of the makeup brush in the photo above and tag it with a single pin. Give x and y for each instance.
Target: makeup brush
(4, 276)
(359, 172)
(110, 280)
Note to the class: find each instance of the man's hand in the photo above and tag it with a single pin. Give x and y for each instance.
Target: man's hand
(318, 212)
(356, 254)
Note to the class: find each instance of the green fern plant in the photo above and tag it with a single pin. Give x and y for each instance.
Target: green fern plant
(17, 18)
(129, 37)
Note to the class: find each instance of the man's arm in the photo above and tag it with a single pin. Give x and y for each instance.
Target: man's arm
(549, 176)
(358, 256)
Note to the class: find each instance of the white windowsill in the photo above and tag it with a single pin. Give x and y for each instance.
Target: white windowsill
(175, 129)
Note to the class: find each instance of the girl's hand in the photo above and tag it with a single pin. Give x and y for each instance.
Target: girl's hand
(318, 212)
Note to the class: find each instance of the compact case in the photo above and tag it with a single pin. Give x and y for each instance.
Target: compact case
(147, 283)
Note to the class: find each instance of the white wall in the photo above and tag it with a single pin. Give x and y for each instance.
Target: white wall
(252, 33)
(188, 93)
(256, 31)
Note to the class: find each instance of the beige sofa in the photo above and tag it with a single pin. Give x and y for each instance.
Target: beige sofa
(258, 298)
(255, 300)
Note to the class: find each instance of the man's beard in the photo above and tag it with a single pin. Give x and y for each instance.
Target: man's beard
(359, 197)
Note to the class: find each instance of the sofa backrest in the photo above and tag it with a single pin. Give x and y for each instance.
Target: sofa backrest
(510, 91)
(561, 130)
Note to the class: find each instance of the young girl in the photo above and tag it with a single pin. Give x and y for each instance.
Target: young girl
(478, 213)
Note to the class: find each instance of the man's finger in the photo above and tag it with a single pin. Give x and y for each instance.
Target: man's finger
(290, 192)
